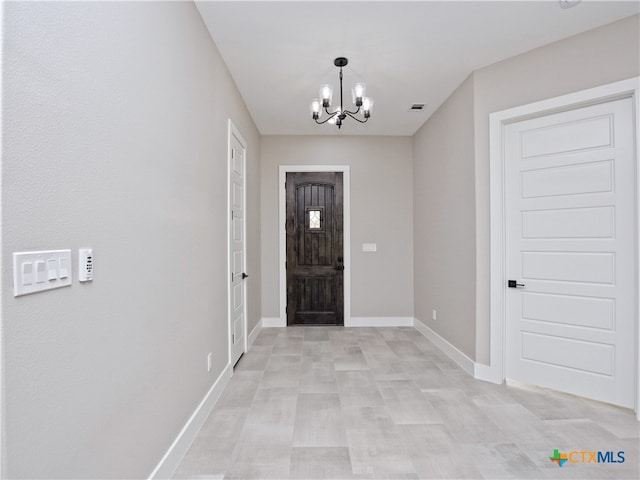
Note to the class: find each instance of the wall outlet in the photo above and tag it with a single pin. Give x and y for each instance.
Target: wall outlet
(433, 314)
(209, 361)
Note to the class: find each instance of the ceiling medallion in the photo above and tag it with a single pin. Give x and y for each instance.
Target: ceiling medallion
(338, 115)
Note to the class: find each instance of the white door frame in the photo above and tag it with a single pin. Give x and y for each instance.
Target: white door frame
(495, 371)
(232, 131)
(346, 233)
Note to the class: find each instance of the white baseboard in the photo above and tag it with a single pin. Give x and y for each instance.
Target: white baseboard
(380, 322)
(353, 322)
(449, 350)
(487, 373)
(273, 322)
(171, 460)
(254, 334)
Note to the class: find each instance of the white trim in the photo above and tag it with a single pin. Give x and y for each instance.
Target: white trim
(448, 349)
(273, 322)
(232, 131)
(622, 89)
(380, 322)
(174, 455)
(346, 214)
(2, 295)
(254, 334)
(636, 119)
(486, 374)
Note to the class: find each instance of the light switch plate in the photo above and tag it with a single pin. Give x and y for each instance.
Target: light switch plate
(37, 271)
(369, 247)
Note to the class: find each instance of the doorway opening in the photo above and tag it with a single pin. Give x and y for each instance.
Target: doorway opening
(237, 243)
(561, 300)
(314, 245)
(315, 257)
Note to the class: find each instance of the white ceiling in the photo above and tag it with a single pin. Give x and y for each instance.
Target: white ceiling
(279, 52)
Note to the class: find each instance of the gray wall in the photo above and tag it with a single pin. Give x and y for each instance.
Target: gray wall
(115, 137)
(444, 220)
(596, 57)
(381, 212)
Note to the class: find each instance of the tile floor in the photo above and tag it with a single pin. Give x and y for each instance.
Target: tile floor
(329, 402)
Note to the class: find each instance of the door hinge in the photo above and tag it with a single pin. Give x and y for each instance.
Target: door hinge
(285, 265)
(232, 214)
(231, 276)
(233, 338)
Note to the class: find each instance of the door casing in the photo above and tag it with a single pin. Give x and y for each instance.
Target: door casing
(283, 233)
(495, 371)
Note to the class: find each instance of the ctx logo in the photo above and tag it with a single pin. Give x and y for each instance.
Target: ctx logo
(587, 457)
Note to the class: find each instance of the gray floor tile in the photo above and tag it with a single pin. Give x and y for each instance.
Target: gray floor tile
(502, 461)
(288, 345)
(407, 404)
(256, 361)
(318, 351)
(273, 406)
(448, 466)
(358, 389)
(267, 337)
(319, 421)
(239, 392)
(351, 358)
(385, 403)
(464, 420)
(262, 452)
(211, 452)
(320, 463)
(376, 452)
(316, 334)
(406, 350)
(317, 377)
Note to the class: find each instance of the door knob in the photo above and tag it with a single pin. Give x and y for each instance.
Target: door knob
(339, 268)
(515, 284)
(244, 275)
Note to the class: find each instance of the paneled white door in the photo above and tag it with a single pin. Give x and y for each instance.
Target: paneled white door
(237, 288)
(570, 194)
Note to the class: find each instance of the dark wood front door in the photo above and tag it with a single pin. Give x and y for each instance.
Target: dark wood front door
(315, 258)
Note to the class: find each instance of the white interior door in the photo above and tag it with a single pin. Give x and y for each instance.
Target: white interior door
(237, 246)
(570, 194)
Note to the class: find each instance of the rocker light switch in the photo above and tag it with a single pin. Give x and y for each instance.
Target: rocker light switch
(52, 269)
(41, 276)
(64, 267)
(27, 273)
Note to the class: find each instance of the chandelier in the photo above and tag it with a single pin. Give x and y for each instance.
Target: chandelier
(338, 115)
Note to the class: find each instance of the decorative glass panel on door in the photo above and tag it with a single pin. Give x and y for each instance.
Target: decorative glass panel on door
(314, 219)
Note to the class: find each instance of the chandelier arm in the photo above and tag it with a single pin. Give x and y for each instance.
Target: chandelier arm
(355, 118)
(352, 113)
(331, 115)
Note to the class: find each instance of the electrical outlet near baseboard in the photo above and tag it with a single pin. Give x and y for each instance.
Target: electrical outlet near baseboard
(209, 361)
